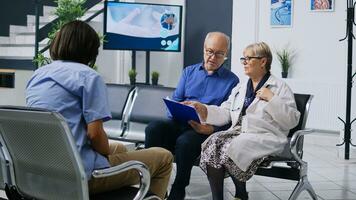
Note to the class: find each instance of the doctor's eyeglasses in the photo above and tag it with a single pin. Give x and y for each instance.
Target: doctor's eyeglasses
(248, 58)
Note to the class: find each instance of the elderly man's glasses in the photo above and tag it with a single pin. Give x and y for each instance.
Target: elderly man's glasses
(248, 58)
(218, 54)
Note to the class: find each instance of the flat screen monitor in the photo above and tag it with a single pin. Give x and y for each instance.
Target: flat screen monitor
(142, 26)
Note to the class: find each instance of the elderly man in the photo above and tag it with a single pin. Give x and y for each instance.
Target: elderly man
(208, 83)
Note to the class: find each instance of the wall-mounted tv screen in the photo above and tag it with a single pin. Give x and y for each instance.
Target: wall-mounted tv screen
(141, 26)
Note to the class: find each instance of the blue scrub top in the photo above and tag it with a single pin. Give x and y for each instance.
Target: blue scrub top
(79, 94)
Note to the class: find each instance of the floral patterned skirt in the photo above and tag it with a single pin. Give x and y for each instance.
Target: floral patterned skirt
(214, 154)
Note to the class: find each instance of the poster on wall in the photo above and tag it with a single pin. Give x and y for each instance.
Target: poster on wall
(322, 5)
(281, 13)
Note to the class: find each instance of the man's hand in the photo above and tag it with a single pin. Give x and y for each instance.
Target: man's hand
(204, 129)
(199, 107)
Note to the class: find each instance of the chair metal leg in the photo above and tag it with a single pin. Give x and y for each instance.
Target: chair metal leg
(310, 190)
(297, 190)
(303, 184)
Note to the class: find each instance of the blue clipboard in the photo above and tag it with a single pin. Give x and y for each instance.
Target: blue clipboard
(181, 112)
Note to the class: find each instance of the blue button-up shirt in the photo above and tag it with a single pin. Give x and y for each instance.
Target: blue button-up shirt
(78, 93)
(197, 85)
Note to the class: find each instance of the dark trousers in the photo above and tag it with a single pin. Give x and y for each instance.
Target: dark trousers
(181, 140)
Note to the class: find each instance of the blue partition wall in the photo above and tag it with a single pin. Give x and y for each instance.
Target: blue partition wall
(203, 16)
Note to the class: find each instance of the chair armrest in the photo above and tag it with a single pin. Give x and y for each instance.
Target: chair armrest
(139, 166)
(294, 141)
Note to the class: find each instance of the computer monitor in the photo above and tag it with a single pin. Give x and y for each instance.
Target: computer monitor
(142, 26)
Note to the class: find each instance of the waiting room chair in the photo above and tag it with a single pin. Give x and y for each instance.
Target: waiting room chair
(119, 97)
(147, 106)
(43, 159)
(4, 171)
(289, 165)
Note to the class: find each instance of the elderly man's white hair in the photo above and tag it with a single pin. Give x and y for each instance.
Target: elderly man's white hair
(227, 38)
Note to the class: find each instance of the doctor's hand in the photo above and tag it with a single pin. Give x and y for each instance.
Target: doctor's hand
(199, 107)
(264, 94)
(204, 129)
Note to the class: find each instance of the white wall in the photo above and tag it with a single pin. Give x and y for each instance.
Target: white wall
(320, 67)
(16, 96)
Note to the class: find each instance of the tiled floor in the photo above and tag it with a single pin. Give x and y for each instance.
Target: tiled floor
(331, 176)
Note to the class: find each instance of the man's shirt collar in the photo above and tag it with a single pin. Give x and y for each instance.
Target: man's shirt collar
(218, 72)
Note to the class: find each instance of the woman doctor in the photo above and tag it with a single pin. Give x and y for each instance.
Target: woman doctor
(261, 110)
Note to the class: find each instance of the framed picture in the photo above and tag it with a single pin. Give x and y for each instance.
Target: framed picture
(322, 5)
(281, 14)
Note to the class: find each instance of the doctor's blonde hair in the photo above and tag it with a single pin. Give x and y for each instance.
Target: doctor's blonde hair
(261, 49)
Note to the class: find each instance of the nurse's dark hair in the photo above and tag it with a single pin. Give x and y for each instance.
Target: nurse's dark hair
(76, 41)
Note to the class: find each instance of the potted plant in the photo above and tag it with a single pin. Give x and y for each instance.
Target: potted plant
(286, 57)
(132, 76)
(66, 11)
(154, 77)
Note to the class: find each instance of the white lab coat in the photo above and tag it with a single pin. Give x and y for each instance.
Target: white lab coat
(264, 127)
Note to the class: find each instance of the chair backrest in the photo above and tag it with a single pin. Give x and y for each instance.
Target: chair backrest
(118, 95)
(43, 159)
(4, 179)
(297, 168)
(148, 103)
(303, 104)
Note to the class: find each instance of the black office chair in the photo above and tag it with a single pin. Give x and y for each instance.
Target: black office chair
(44, 162)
